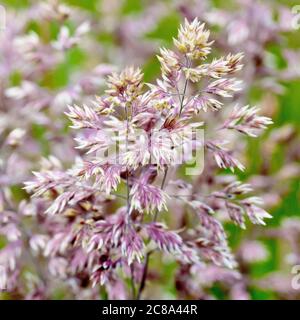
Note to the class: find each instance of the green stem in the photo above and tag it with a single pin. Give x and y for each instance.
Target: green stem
(145, 270)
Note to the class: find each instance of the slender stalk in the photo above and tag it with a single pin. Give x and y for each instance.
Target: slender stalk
(133, 290)
(182, 97)
(144, 276)
(145, 269)
(127, 172)
(132, 284)
(162, 187)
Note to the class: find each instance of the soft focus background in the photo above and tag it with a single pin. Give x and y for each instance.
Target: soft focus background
(45, 73)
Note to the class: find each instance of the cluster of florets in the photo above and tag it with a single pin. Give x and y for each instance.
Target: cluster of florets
(148, 126)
